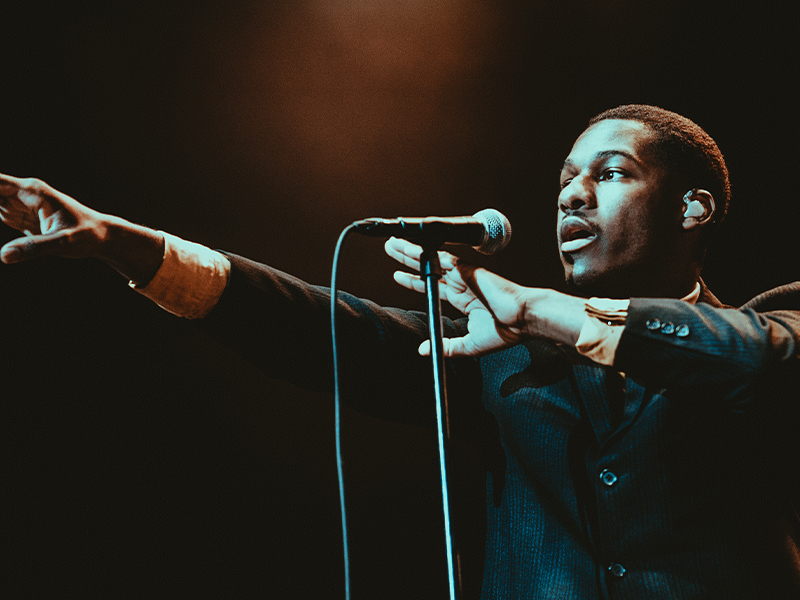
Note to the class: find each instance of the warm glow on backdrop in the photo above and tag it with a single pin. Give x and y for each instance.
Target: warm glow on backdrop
(360, 97)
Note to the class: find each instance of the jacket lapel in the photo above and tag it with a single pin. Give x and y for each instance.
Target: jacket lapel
(602, 394)
(609, 406)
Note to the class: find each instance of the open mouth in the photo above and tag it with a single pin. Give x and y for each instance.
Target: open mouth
(575, 234)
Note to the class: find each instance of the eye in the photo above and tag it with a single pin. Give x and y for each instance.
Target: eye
(611, 175)
(565, 183)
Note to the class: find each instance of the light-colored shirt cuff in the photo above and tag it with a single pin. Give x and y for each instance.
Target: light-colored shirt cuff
(604, 324)
(602, 329)
(191, 278)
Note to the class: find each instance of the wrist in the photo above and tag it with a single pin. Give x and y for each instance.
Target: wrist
(553, 315)
(133, 250)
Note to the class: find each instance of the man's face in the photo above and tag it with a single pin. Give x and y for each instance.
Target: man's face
(617, 224)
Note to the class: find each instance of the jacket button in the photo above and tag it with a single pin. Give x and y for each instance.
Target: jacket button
(668, 329)
(653, 324)
(682, 330)
(616, 569)
(608, 477)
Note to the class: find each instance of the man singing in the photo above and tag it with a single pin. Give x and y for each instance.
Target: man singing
(640, 436)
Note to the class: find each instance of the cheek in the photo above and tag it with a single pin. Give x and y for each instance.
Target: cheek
(627, 229)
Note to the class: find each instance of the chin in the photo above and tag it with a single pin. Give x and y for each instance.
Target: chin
(579, 284)
(587, 282)
(579, 288)
(577, 275)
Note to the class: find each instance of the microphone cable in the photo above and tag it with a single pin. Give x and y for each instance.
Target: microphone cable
(337, 408)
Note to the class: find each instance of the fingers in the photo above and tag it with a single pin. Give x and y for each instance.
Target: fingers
(417, 284)
(450, 346)
(9, 185)
(28, 247)
(403, 252)
(12, 186)
(409, 281)
(21, 201)
(408, 254)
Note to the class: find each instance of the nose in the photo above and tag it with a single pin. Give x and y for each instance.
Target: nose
(577, 194)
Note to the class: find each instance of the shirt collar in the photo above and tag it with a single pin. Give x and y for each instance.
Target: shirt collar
(693, 296)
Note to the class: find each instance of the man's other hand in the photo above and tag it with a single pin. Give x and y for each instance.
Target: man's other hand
(500, 312)
(53, 223)
(56, 224)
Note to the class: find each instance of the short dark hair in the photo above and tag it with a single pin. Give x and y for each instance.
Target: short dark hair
(689, 154)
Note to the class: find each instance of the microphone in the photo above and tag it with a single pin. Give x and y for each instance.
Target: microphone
(488, 231)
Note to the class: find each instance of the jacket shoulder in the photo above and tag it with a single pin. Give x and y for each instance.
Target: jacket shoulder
(785, 297)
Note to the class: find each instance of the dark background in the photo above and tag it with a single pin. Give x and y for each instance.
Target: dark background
(142, 460)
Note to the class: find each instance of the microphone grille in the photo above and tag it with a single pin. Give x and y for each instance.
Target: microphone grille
(498, 230)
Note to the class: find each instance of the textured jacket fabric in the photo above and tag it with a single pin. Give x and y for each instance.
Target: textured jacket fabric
(673, 474)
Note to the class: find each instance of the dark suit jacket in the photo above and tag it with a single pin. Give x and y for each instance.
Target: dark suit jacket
(678, 479)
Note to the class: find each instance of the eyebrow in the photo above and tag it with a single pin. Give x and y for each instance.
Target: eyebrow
(606, 154)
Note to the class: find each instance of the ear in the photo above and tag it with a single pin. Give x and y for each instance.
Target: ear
(698, 209)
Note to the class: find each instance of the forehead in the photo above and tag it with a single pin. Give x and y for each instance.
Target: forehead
(615, 135)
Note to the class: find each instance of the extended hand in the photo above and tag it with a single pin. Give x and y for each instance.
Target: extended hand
(501, 313)
(495, 306)
(53, 223)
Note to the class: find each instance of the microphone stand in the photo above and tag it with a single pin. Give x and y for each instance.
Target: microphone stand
(431, 271)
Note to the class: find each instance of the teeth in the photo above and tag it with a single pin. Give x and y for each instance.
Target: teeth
(576, 244)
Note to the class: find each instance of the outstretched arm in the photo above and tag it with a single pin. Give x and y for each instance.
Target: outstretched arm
(501, 313)
(56, 224)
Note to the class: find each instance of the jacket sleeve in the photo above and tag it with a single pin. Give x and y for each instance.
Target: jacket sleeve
(670, 344)
(281, 325)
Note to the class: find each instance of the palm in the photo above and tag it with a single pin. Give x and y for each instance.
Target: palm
(486, 332)
(488, 329)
